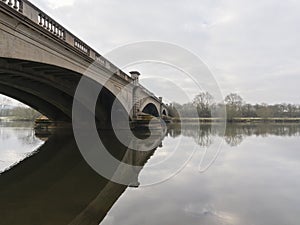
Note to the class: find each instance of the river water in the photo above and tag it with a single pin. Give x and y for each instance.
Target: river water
(194, 175)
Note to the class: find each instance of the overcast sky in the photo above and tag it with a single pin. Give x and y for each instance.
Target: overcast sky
(252, 47)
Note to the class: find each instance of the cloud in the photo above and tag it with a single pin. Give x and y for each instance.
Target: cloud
(54, 4)
(247, 42)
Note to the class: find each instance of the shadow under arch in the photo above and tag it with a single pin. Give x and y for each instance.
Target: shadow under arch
(151, 109)
(50, 90)
(164, 112)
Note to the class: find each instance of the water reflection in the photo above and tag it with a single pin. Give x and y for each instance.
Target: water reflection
(255, 184)
(56, 185)
(234, 133)
(21, 130)
(17, 141)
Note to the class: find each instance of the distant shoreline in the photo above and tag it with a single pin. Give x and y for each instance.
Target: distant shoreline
(195, 120)
(9, 119)
(238, 120)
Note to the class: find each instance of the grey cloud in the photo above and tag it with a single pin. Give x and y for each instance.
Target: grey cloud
(247, 42)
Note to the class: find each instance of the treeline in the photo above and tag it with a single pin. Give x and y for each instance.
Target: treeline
(20, 113)
(204, 106)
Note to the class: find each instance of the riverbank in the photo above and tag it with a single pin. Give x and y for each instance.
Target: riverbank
(183, 120)
(237, 120)
(14, 119)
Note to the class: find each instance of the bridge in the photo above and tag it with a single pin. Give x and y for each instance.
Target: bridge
(41, 64)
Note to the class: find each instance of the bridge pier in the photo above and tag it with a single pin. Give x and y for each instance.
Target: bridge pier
(135, 100)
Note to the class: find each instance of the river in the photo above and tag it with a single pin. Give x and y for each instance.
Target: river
(248, 175)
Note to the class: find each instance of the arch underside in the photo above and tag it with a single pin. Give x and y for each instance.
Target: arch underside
(49, 89)
(151, 109)
(164, 112)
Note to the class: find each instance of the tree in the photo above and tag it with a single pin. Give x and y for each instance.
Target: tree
(173, 109)
(203, 102)
(188, 110)
(264, 111)
(25, 113)
(4, 102)
(234, 99)
(234, 104)
(248, 111)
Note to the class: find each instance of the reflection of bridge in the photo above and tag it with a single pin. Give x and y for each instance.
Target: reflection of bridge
(41, 64)
(56, 185)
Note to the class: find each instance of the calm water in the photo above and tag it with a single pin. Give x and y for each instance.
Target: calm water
(249, 175)
(17, 141)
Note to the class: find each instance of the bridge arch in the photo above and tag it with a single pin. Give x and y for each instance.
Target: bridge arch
(50, 90)
(164, 112)
(151, 109)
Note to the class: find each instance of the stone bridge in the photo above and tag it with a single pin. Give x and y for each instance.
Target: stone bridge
(41, 64)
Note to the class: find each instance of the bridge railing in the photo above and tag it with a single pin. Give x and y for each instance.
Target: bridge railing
(36, 15)
(15, 4)
(149, 92)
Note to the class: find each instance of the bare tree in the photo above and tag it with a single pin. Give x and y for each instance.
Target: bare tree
(204, 101)
(234, 99)
(234, 104)
(4, 101)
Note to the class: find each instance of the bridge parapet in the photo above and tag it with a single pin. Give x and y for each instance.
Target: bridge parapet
(50, 25)
(149, 93)
(15, 4)
(34, 14)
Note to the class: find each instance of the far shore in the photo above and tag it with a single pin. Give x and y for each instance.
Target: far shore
(238, 120)
(14, 119)
(196, 120)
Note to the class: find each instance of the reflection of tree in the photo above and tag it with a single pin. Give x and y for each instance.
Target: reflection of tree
(27, 136)
(235, 133)
(23, 132)
(4, 135)
(234, 140)
(234, 136)
(266, 129)
(174, 130)
(204, 138)
(202, 134)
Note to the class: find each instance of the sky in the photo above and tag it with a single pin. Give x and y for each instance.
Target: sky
(251, 47)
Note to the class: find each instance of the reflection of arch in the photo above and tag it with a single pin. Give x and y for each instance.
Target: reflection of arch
(151, 109)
